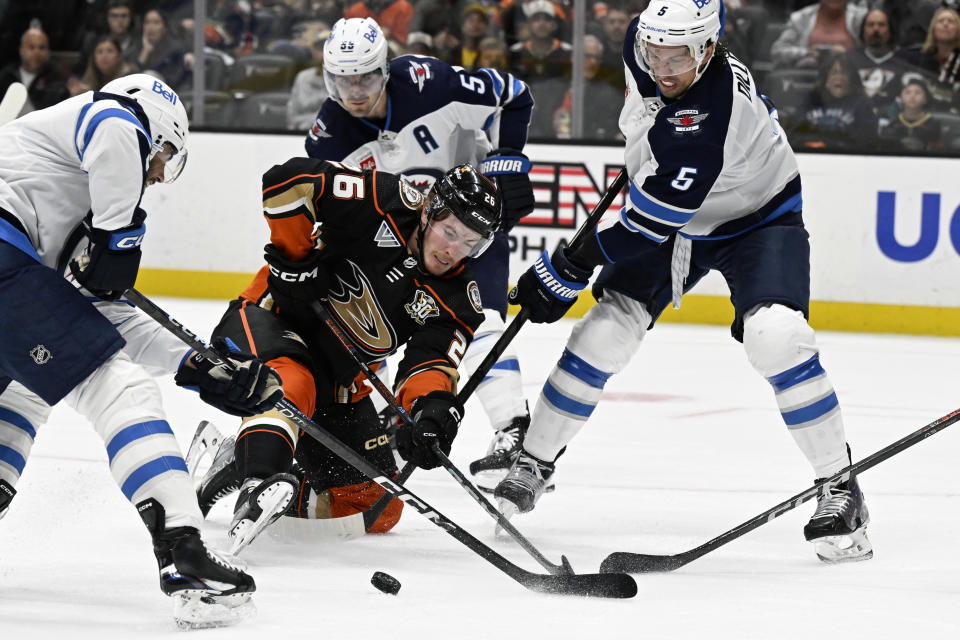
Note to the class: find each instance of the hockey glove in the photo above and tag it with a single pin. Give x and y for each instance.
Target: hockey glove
(549, 287)
(436, 418)
(249, 389)
(110, 264)
(510, 169)
(295, 284)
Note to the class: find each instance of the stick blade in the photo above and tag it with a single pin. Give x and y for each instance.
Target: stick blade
(591, 585)
(623, 562)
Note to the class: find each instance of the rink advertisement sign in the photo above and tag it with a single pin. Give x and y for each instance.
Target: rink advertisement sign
(884, 230)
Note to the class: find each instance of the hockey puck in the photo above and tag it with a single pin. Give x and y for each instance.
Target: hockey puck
(385, 582)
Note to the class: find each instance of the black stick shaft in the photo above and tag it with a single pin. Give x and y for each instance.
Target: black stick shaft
(642, 563)
(620, 586)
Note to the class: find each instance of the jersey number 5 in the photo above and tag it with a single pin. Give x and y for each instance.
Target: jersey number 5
(684, 178)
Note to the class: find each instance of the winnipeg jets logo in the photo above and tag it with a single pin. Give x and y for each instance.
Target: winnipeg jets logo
(422, 307)
(687, 120)
(419, 74)
(385, 237)
(319, 130)
(41, 355)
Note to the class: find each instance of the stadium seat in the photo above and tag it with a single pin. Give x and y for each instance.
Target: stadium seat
(263, 110)
(789, 88)
(259, 72)
(950, 130)
(218, 108)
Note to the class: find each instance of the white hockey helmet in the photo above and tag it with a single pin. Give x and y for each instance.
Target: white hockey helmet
(356, 47)
(694, 24)
(164, 110)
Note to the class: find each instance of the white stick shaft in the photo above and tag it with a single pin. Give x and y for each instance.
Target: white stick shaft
(12, 103)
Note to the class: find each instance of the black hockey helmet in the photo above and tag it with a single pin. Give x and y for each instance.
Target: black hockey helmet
(472, 198)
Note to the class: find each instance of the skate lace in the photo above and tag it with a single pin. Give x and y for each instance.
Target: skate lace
(219, 559)
(505, 439)
(528, 473)
(837, 502)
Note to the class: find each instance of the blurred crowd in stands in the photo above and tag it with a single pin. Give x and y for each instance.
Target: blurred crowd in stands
(848, 75)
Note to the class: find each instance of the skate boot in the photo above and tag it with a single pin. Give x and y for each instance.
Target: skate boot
(525, 483)
(259, 504)
(838, 528)
(221, 479)
(489, 470)
(208, 590)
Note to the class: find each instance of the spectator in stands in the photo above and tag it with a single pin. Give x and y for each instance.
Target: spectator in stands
(159, 52)
(393, 16)
(493, 54)
(543, 62)
(513, 21)
(878, 62)
(440, 19)
(939, 58)
(603, 99)
(818, 31)
(309, 89)
(615, 23)
(120, 24)
(476, 22)
(106, 64)
(745, 32)
(912, 18)
(419, 44)
(837, 115)
(44, 86)
(914, 128)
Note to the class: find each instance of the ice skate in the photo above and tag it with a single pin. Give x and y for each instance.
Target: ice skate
(221, 478)
(208, 590)
(838, 528)
(525, 483)
(206, 442)
(259, 504)
(489, 470)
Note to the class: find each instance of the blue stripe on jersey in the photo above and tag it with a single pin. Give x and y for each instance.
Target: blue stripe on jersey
(641, 202)
(633, 226)
(13, 458)
(583, 370)
(76, 129)
(150, 471)
(13, 236)
(135, 432)
(811, 412)
(510, 364)
(497, 82)
(112, 112)
(792, 204)
(18, 421)
(565, 404)
(795, 375)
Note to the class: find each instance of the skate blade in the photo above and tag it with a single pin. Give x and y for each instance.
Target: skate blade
(272, 502)
(288, 530)
(508, 509)
(855, 547)
(206, 441)
(199, 610)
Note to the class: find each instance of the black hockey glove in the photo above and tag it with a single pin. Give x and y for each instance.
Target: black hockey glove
(110, 264)
(436, 418)
(249, 389)
(510, 169)
(549, 287)
(295, 284)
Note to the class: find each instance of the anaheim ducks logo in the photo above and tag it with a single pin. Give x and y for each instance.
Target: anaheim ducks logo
(359, 314)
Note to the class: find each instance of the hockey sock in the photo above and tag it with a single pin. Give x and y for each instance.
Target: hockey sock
(501, 390)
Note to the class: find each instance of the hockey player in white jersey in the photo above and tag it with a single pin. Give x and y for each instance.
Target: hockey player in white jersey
(71, 180)
(419, 117)
(713, 185)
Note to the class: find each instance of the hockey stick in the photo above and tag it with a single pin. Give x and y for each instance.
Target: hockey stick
(562, 569)
(12, 103)
(512, 329)
(646, 563)
(595, 584)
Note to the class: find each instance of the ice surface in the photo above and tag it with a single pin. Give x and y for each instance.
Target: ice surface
(686, 445)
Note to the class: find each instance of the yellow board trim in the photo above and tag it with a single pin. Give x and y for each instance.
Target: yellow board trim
(826, 316)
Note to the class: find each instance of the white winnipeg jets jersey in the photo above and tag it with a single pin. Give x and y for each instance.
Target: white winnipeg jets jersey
(438, 116)
(710, 165)
(83, 154)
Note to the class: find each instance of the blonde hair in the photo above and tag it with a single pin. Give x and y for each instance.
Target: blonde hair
(930, 44)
